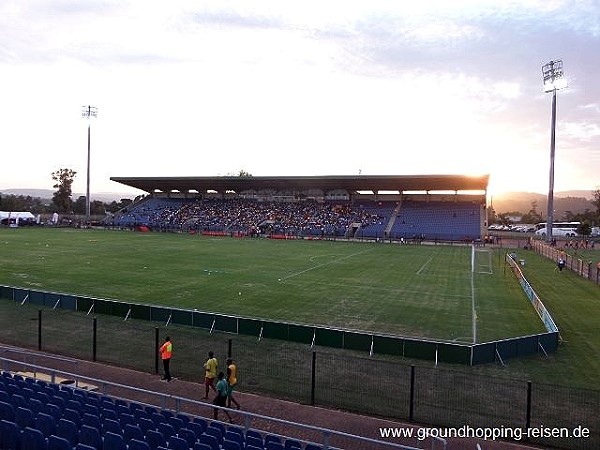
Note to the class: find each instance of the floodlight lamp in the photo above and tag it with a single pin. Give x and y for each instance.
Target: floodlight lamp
(89, 111)
(553, 76)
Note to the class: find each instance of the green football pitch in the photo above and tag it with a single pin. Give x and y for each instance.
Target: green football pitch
(413, 290)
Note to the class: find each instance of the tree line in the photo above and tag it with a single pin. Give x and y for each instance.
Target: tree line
(61, 201)
(588, 218)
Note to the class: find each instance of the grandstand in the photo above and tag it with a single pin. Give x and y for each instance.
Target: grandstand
(433, 207)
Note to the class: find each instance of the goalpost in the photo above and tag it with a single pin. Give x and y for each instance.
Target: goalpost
(481, 260)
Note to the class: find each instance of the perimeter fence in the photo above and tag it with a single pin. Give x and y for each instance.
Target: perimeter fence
(374, 385)
(585, 269)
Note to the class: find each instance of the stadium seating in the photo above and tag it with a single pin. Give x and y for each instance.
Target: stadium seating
(79, 420)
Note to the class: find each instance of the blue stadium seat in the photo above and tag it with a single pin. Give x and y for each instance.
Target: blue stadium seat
(111, 425)
(68, 430)
(54, 411)
(209, 440)
(272, 438)
(18, 400)
(58, 401)
(235, 436)
(273, 445)
(219, 426)
(109, 413)
(35, 405)
(58, 443)
(166, 413)
(292, 444)
(216, 432)
(156, 438)
(113, 441)
(32, 439)
(231, 445)
(184, 419)
(10, 435)
(157, 418)
(92, 421)
(150, 409)
(255, 434)
(73, 416)
(313, 447)
(23, 417)
(175, 422)
(7, 412)
(177, 443)
(45, 423)
(201, 446)
(138, 413)
(90, 436)
(75, 405)
(254, 442)
(166, 429)
(188, 435)
(127, 419)
(132, 432)
(146, 424)
(197, 428)
(136, 444)
(81, 446)
(4, 398)
(91, 409)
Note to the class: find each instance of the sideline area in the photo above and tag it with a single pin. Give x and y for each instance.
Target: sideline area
(350, 423)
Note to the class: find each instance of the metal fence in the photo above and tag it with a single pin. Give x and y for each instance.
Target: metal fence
(371, 343)
(585, 269)
(324, 376)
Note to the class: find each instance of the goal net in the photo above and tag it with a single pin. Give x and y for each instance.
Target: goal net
(481, 260)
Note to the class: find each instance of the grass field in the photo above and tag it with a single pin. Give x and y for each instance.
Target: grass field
(426, 291)
(414, 290)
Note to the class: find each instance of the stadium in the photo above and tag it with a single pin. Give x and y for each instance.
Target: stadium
(351, 305)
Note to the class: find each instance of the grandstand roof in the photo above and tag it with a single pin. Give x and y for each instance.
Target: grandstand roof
(351, 183)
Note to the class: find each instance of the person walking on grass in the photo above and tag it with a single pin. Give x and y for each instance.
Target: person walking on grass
(221, 397)
(210, 373)
(166, 352)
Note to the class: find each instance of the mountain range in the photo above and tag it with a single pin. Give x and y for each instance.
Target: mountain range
(506, 202)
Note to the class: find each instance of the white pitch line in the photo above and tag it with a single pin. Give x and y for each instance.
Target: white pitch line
(424, 265)
(324, 264)
(473, 312)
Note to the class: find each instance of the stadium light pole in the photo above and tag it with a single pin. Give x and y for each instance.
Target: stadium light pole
(553, 76)
(88, 112)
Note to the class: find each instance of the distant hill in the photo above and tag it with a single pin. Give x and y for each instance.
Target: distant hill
(574, 201)
(105, 197)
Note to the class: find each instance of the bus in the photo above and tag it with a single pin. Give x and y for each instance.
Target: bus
(559, 229)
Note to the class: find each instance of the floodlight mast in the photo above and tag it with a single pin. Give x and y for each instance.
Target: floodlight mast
(553, 76)
(88, 112)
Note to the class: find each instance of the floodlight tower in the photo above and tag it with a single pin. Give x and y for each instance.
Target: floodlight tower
(88, 112)
(553, 76)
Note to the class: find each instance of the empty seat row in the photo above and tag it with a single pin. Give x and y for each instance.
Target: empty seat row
(84, 420)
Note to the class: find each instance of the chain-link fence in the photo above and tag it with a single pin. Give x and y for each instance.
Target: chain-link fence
(336, 378)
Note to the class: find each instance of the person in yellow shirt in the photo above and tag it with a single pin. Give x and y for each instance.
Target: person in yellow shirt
(231, 383)
(210, 373)
(166, 351)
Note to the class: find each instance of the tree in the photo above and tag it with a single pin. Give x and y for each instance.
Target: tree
(584, 229)
(61, 199)
(596, 201)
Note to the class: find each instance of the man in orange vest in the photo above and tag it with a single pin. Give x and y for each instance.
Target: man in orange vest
(166, 351)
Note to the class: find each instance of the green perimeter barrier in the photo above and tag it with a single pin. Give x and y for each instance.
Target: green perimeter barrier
(438, 351)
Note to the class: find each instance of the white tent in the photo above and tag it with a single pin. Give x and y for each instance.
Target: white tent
(16, 215)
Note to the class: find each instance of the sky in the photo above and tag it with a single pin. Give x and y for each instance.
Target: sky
(299, 88)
